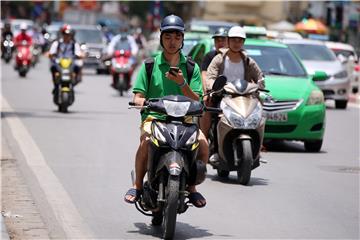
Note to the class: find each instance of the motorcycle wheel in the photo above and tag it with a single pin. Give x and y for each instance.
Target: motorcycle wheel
(22, 73)
(223, 173)
(244, 173)
(121, 85)
(65, 98)
(170, 211)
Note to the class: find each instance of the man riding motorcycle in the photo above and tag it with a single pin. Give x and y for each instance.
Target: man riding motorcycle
(234, 64)
(120, 40)
(164, 82)
(6, 32)
(23, 36)
(65, 47)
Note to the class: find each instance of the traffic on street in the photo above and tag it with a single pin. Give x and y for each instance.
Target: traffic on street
(185, 130)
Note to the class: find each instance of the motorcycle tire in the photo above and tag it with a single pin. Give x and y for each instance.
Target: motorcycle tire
(65, 100)
(22, 73)
(171, 206)
(244, 173)
(121, 85)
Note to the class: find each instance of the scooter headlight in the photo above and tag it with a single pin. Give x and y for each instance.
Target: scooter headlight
(238, 121)
(192, 139)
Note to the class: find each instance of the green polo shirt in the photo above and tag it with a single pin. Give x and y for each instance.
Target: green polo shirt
(161, 86)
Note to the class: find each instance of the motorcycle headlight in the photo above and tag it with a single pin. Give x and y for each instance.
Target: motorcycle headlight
(11, 44)
(316, 97)
(157, 133)
(238, 121)
(6, 43)
(192, 139)
(342, 74)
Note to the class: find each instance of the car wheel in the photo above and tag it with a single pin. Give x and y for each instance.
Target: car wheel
(313, 145)
(341, 104)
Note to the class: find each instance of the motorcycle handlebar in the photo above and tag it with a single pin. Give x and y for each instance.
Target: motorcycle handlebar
(213, 109)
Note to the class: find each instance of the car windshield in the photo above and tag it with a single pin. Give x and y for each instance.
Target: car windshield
(276, 61)
(188, 45)
(88, 36)
(345, 53)
(313, 52)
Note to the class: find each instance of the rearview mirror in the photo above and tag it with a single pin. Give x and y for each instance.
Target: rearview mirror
(219, 83)
(320, 76)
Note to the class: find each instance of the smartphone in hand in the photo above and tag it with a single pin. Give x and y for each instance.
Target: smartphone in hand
(174, 70)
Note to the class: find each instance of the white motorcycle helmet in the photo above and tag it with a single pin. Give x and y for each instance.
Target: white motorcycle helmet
(237, 31)
(23, 26)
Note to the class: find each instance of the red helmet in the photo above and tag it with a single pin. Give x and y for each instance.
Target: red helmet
(66, 29)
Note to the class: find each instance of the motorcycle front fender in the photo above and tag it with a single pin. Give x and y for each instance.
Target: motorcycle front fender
(174, 163)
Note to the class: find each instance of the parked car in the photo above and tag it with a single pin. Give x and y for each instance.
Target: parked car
(93, 43)
(347, 55)
(298, 110)
(316, 56)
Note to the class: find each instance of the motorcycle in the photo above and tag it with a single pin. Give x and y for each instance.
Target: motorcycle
(64, 95)
(171, 163)
(23, 58)
(8, 46)
(121, 70)
(236, 136)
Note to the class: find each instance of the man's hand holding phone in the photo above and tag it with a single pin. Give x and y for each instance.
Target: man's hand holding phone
(176, 75)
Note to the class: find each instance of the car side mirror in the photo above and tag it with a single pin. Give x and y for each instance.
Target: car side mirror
(320, 76)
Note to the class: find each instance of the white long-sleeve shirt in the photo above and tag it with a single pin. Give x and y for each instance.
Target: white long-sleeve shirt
(115, 40)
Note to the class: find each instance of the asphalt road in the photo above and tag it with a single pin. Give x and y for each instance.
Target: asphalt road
(84, 158)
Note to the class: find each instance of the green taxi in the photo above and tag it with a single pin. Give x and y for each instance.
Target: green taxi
(298, 109)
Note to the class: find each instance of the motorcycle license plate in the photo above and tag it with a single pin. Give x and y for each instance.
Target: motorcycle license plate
(276, 117)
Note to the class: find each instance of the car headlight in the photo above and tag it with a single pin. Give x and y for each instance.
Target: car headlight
(238, 121)
(157, 133)
(316, 97)
(192, 139)
(342, 74)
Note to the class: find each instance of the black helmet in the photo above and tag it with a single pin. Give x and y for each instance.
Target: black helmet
(220, 32)
(171, 23)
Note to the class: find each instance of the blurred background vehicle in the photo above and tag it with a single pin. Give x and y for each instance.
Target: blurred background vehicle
(298, 110)
(347, 55)
(93, 44)
(316, 56)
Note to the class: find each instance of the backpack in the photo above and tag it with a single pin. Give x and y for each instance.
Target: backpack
(190, 65)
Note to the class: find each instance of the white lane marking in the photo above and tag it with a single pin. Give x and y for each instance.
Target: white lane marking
(65, 211)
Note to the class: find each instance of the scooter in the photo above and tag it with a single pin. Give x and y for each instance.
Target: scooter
(121, 70)
(172, 164)
(64, 95)
(23, 58)
(8, 46)
(236, 136)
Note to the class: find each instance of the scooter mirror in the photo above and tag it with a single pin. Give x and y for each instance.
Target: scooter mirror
(219, 83)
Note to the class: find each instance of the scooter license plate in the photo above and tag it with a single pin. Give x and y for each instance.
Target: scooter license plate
(276, 117)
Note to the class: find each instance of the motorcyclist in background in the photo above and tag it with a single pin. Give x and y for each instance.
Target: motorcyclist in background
(4, 33)
(123, 41)
(220, 41)
(23, 36)
(65, 47)
(234, 64)
(118, 40)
